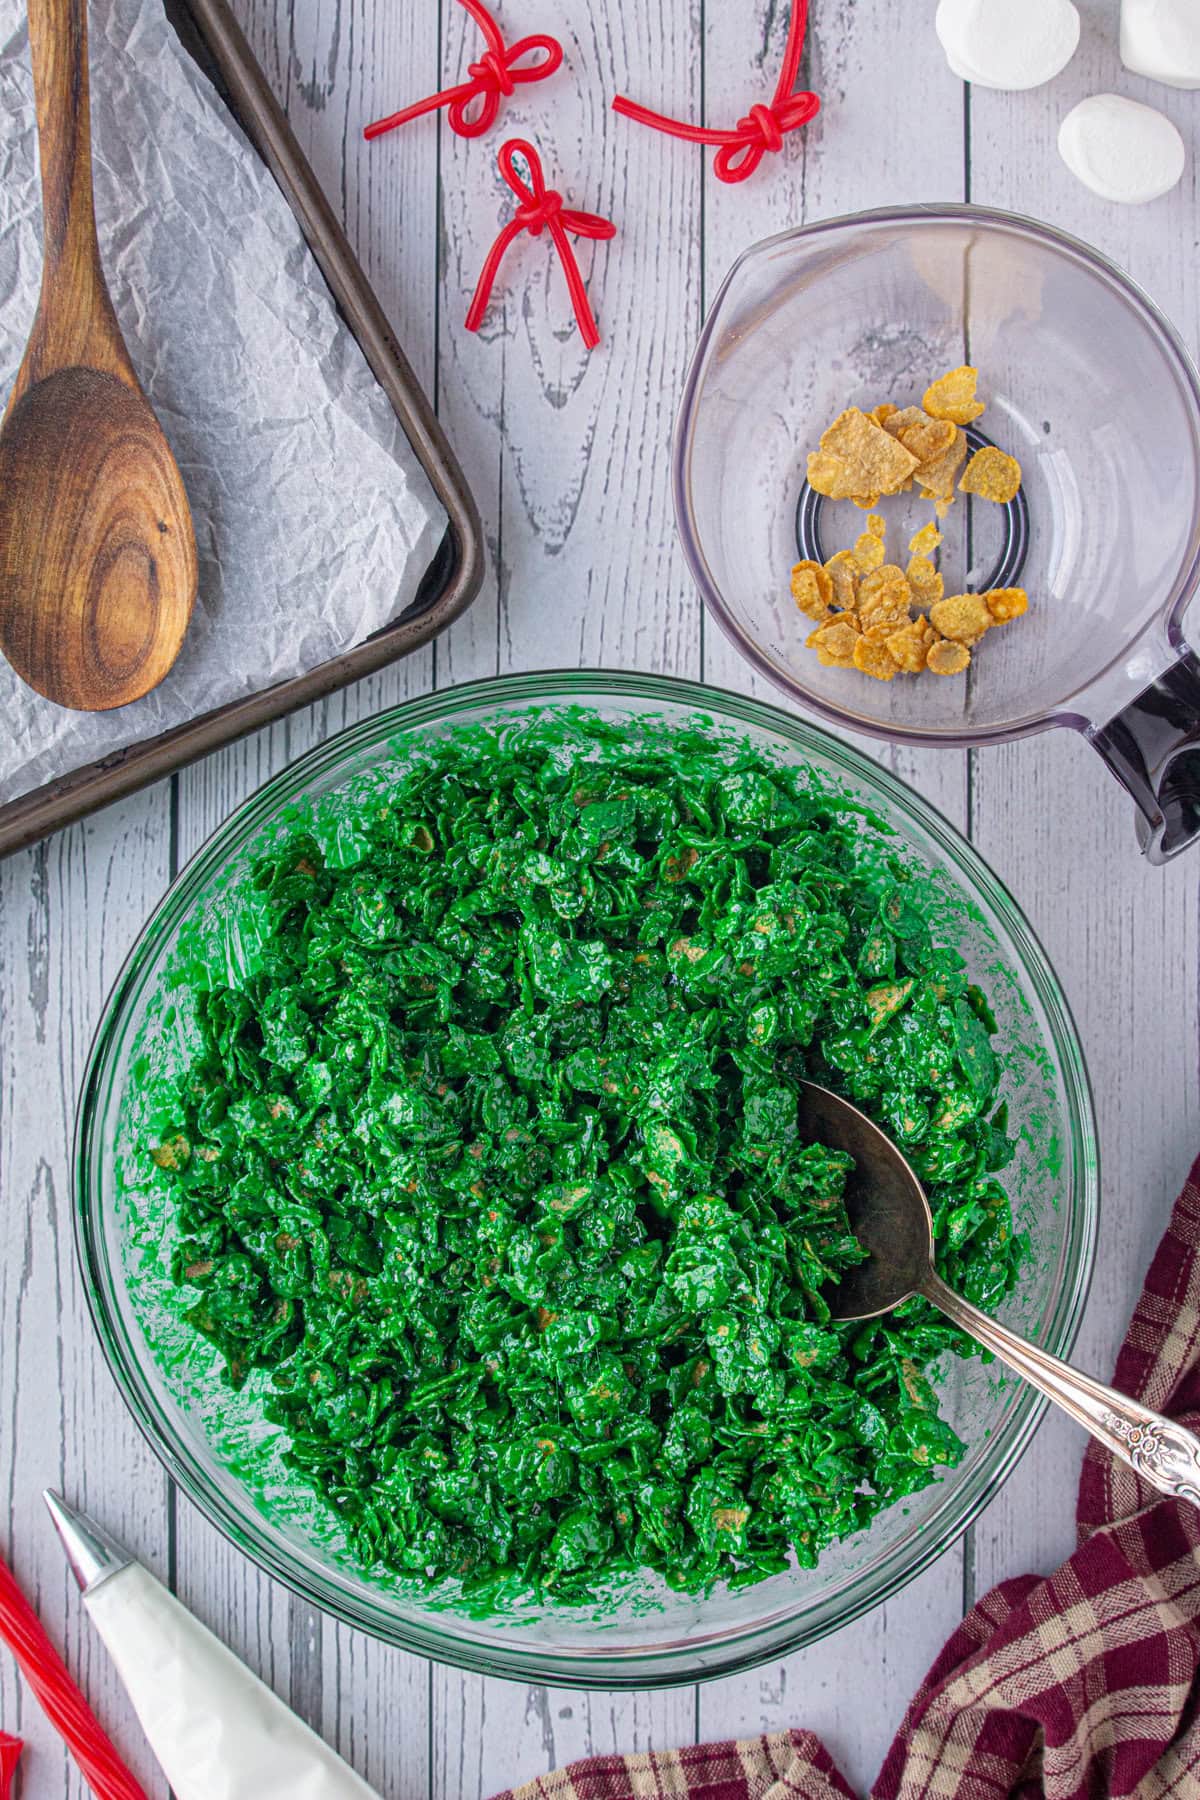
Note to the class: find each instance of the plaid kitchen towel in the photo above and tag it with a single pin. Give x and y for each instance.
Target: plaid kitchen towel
(1082, 1686)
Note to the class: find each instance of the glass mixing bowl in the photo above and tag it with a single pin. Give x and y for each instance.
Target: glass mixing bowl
(653, 1637)
(1086, 384)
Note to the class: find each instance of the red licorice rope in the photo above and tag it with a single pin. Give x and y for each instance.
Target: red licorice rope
(10, 1756)
(60, 1699)
(540, 208)
(493, 78)
(763, 128)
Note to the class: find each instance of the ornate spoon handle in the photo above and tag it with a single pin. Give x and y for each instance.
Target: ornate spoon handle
(1161, 1452)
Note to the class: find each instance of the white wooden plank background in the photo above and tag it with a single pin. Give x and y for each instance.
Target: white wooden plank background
(568, 456)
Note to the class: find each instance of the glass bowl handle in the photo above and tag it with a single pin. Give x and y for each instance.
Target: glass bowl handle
(1153, 748)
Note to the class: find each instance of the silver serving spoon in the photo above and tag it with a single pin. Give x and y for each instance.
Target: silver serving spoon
(890, 1216)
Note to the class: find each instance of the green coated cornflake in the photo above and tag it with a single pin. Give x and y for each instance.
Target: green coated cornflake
(490, 1163)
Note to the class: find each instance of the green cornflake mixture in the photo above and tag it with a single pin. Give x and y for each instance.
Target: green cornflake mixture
(492, 1162)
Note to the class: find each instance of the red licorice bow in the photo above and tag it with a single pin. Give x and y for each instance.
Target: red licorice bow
(60, 1699)
(10, 1756)
(540, 208)
(763, 128)
(493, 78)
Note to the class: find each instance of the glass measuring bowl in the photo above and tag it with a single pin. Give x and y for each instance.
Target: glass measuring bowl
(215, 1441)
(1086, 383)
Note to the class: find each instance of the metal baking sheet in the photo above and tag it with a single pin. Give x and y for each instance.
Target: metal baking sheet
(213, 36)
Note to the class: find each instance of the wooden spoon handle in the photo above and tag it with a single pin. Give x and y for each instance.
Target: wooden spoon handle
(59, 53)
(76, 322)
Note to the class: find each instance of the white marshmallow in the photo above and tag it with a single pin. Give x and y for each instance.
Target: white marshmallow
(963, 72)
(1121, 149)
(1008, 43)
(1161, 39)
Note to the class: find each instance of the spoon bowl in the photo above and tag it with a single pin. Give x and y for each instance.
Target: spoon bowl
(890, 1216)
(97, 557)
(886, 1204)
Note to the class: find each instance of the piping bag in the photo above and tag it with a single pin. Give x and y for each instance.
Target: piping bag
(217, 1731)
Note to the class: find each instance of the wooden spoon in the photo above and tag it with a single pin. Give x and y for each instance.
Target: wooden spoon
(97, 551)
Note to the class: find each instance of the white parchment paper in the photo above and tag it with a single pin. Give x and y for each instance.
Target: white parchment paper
(314, 521)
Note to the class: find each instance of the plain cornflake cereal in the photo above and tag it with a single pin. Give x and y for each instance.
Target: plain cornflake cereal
(924, 580)
(858, 459)
(872, 656)
(937, 477)
(843, 572)
(834, 643)
(868, 552)
(884, 596)
(812, 590)
(827, 475)
(946, 658)
(1007, 603)
(952, 396)
(925, 438)
(888, 450)
(910, 645)
(993, 475)
(963, 617)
